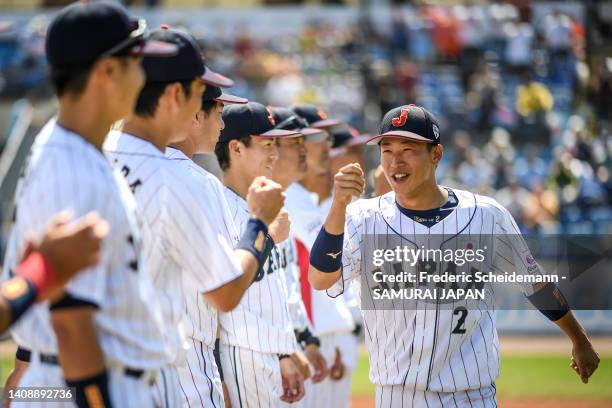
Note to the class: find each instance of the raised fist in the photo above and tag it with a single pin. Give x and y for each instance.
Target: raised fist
(348, 182)
(279, 228)
(265, 198)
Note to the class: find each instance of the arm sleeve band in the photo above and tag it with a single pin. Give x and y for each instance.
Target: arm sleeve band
(326, 252)
(92, 392)
(550, 301)
(254, 240)
(265, 253)
(19, 294)
(38, 271)
(23, 354)
(305, 338)
(69, 301)
(217, 354)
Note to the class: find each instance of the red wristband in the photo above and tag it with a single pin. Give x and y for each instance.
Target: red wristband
(38, 271)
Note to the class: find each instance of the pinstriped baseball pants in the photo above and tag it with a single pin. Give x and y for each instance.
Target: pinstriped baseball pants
(399, 396)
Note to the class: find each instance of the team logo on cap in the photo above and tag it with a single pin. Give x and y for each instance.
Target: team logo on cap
(271, 117)
(436, 132)
(401, 120)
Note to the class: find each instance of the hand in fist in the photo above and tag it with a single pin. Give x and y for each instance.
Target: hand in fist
(265, 198)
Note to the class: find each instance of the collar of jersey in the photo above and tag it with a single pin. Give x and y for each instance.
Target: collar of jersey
(173, 153)
(59, 135)
(137, 145)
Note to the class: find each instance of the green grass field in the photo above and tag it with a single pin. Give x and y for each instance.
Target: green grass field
(528, 377)
(522, 377)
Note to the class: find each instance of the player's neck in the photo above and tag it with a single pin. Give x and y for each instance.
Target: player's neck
(149, 129)
(237, 182)
(187, 147)
(320, 184)
(84, 119)
(428, 197)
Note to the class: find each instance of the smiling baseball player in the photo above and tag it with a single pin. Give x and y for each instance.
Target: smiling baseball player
(424, 357)
(104, 336)
(257, 337)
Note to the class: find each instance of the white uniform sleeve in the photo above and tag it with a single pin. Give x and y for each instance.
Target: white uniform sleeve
(511, 251)
(351, 252)
(205, 254)
(90, 284)
(297, 310)
(306, 225)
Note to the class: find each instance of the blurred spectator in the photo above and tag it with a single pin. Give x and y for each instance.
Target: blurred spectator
(526, 103)
(519, 47)
(533, 98)
(483, 97)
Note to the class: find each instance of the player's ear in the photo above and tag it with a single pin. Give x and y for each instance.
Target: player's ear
(436, 153)
(198, 119)
(235, 147)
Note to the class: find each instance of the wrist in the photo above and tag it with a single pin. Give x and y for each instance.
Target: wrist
(38, 270)
(261, 219)
(579, 339)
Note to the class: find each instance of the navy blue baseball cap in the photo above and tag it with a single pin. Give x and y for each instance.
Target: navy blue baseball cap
(214, 93)
(83, 32)
(409, 122)
(315, 116)
(287, 119)
(250, 119)
(187, 64)
(347, 136)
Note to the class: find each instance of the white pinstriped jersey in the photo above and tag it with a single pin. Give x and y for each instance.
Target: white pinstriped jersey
(328, 315)
(65, 171)
(261, 321)
(186, 257)
(297, 311)
(422, 349)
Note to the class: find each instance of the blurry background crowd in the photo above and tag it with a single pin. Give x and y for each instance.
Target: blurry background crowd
(522, 89)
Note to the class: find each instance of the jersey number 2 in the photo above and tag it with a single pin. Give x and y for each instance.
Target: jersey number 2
(460, 326)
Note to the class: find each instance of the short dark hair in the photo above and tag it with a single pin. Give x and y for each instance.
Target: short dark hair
(209, 106)
(222, 151)
(73, 79)
(148, 99)
(69, 79)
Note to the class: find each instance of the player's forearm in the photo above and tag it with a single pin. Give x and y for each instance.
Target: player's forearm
(227, 297)
(572, 328)
(80, 354)
(5, 315)
(322, 280)
(334, 223)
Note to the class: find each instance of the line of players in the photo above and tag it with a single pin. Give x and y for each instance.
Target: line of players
(197, 281)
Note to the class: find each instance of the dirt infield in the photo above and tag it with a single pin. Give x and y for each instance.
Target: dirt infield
(368, 402)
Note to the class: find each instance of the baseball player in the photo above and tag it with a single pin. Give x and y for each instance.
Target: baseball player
(257, 338)
(427, 357)
(47, 266)
(104, 335)
(288, 169)
(193, 265)
(331, 319)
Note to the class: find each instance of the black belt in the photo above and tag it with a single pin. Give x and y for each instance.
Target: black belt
(24, 354)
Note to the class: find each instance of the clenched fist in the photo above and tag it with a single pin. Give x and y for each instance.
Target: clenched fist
(279, 228)
(265, 198)
(348, 182)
